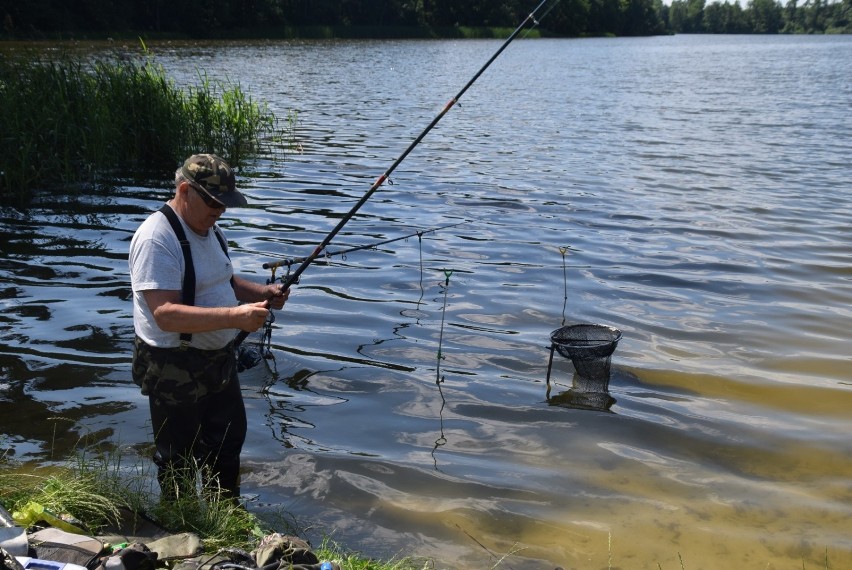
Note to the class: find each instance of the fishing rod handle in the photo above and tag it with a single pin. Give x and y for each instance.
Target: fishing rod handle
(286, 284)
(238, 340)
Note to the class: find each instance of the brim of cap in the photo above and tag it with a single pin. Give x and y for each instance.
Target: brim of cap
(231, 198)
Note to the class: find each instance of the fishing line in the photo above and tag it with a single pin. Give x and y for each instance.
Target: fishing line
(249, 356)
(442, 440)
(420, 239)
(438, 378)
(289, 261)
(562, 250)
(386, 175)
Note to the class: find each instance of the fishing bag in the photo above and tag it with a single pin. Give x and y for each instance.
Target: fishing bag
(61, 546)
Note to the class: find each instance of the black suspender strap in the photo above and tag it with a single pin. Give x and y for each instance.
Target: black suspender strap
(188, 292)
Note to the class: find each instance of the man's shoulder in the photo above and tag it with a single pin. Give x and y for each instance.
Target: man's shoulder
(154, 234)
(155, 226)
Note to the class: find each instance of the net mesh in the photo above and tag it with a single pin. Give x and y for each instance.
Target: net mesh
(590, 348)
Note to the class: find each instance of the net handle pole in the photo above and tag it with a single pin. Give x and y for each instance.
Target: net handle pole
(294, 276)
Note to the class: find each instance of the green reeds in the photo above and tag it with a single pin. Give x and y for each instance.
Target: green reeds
(68, 122)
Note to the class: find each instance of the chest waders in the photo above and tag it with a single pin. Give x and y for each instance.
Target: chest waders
(197, 412)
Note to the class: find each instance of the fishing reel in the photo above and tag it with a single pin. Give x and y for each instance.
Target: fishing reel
(250, 355)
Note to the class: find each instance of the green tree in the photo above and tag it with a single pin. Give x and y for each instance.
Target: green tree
(725, 18)
(695, 16)
(766, 16)
(793, 15)
(815, 16)
(569, 18)
(678, 16)
(841, 18)
(642, 19)
(604, 17)
(714, 19)
(738, 22)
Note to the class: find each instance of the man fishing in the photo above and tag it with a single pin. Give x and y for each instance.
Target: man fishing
(186, 311)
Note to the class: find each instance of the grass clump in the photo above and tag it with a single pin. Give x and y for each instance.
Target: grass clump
(90, 492)
(69, 121)
(54, 492)
(330, 550)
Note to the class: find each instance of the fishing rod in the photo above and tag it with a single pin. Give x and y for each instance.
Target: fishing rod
(294, 276)
(290, 261)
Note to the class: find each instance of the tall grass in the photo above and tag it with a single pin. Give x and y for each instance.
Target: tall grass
(95, 486)
(69, 121)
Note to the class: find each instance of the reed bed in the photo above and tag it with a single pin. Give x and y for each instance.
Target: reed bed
(69, 122)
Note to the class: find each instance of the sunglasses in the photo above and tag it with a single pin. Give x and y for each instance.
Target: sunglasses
(211, 202)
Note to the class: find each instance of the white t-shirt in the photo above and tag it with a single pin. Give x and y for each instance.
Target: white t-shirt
(157, 263)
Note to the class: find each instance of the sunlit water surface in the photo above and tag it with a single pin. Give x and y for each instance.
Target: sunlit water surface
(702, 186)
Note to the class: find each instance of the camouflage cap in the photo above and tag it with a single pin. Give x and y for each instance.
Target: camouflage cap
(215, 176)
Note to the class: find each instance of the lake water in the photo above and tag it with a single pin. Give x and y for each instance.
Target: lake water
(702, 184)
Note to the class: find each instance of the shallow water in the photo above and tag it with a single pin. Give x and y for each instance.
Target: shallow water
(702, 185)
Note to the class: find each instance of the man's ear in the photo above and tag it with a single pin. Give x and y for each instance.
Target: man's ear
(183, 189)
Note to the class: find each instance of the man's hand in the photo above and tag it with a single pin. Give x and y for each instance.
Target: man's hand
(277, 296)
(251, 316)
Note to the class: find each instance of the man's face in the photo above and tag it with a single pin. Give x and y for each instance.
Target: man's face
(204, 210)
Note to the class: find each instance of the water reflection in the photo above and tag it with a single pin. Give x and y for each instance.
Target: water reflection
(289, 399)
(573, 398)
(442, 439)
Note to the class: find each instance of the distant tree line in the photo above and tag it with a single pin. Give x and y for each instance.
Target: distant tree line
(761, 17)
(34, 19)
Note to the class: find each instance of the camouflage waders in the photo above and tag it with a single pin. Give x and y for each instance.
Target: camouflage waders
(197, 410)
(197, 415)
(180, 376)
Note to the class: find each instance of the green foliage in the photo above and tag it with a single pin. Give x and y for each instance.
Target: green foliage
(38, 19)
(91, 499)
(330, 550)
(725, 18)
(94, 489)
(75, 121)
(766, 16)
(760, 17)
